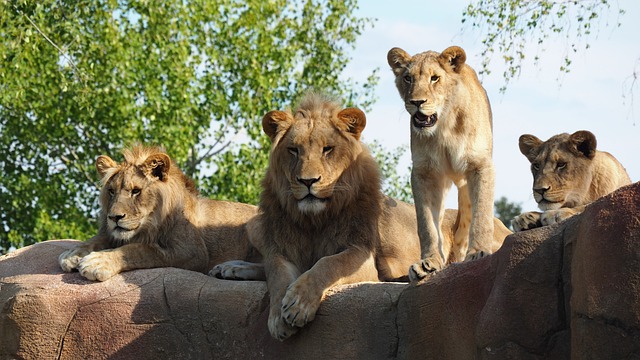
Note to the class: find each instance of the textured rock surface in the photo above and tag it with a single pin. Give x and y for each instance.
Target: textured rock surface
(172, 313)
(566, 291)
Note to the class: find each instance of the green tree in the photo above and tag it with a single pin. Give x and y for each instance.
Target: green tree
(83, 78)
(506, 211)
(393, 184)
(510, 26)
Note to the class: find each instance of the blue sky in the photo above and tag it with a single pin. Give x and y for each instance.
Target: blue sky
(589, 97)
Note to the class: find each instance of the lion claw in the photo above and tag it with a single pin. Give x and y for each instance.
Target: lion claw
(422, 269)
(476, 254)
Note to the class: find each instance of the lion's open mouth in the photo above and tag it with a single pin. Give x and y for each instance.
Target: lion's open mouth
(421, 120)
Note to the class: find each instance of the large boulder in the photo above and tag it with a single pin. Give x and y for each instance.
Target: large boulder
(169, 313)
(566, 291)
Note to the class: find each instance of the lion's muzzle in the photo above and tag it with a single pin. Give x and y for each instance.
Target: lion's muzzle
(421, 120)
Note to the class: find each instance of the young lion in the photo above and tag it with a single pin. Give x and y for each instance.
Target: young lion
(568, 173)
(320, 209)
(451, 141)
(151, 216)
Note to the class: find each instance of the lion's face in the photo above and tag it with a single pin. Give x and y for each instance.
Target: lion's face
(129, 193)
(311, 151)
(561, 168)
(426, 82)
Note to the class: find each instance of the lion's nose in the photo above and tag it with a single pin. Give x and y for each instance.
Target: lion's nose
(308, 182)
(542, 190)
(116, 218)
(418, 103)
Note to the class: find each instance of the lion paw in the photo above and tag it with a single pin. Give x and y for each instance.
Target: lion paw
(98, 265)
(527, 221)
(475, 254)
(238, 270)
(278, 328)
(70, 259)
(300, 303)
(425, 267)
(551, 217)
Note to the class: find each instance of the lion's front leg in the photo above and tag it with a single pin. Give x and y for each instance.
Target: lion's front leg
(238, 270)
(550, 217)
(481, 184)
(102, 265)
(526, 221)
(69, 259)
(280, 273)
(429, 191)
(303, 297)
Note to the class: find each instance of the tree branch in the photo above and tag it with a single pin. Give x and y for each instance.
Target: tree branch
(77, 71)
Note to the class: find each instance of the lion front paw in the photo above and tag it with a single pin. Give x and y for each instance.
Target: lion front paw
(238, 270)
(99, 265)
(527, 221)
(300, 303)
(475, 254)
(425, 267)
(70, 259)
(551, 217)
(278, 328)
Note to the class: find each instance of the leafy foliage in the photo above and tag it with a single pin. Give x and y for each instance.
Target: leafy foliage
(84, 78)
(506, 211)
(394, 184)
(508, 26)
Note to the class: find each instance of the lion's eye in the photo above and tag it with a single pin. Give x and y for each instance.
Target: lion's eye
(135, 191)
(111, 192)
(408, 79)
(293, 151)
(326, 150)
(561, 165)
(434, 79)
(535, 167)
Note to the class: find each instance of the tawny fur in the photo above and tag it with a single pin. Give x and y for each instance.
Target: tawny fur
(568, 174)
(347, 232)
(151, 216)
(451, 142)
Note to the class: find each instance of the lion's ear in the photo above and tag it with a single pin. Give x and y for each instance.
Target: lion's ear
(355, 119)
(454, 56)
(584, 143)
(274, 122)
(157, 165)
(398, 60)
(103, 164)
(529, 145)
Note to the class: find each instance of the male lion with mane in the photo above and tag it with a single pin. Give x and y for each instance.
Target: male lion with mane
(568, 173)
(323, 219)
(451, 141)
(151, 216)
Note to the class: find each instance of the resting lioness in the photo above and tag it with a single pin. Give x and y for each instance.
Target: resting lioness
(568, 173)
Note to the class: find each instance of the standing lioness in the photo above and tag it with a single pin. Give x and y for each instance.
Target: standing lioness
(451, 141)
